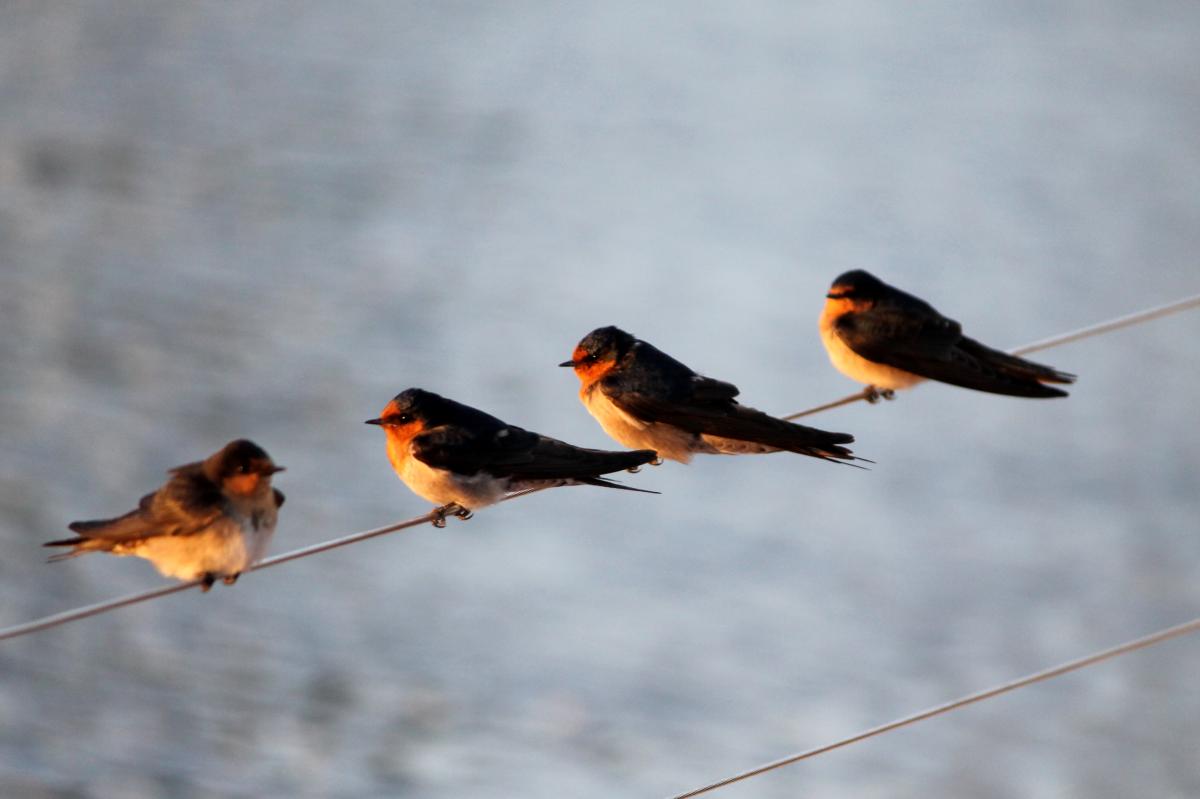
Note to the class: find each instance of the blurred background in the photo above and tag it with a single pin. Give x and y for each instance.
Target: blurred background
(264, 219)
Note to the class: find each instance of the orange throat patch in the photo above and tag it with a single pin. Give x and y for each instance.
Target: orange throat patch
(243, 485)
(398, 439)
(589, 372)
(835, 308)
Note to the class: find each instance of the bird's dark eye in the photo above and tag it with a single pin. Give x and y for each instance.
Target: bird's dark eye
(242, 468)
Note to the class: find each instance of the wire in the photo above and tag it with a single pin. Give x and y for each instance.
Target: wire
(133, 599)
(55, 620)
(1116, 324)
(1039, 676)
(1045, 344)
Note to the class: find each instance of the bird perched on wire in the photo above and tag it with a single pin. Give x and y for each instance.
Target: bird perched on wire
(643, 397)
(463, 459)
(881, 336)
(212, 519)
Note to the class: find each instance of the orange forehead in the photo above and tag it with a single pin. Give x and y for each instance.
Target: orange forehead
(845, 304)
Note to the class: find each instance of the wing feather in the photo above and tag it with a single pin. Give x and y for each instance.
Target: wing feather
(186, 505)
(728, 419)
(514, 452)
(899, 337)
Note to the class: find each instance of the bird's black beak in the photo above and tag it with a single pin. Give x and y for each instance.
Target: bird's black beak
(375, 421)
(275, 469)
(567, 363)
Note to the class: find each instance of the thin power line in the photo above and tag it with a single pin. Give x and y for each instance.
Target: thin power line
(1039, 676)
(133, 599)
(1116, 324)
(1046, 343)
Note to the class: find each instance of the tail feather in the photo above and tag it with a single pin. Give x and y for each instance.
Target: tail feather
(604, 482)
(556, 460)
(1015, 376)
(65, 542)
(81, 545)
(766, 429)
(98, 535)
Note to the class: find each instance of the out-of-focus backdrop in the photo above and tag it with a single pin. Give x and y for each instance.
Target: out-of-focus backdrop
(265, 219)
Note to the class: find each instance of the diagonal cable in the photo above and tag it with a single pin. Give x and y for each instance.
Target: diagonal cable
(970, 699)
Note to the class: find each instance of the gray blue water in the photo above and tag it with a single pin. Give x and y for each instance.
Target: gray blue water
(265, 219)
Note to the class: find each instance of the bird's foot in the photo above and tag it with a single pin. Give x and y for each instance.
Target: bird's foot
(450, 509)
(230, 579)
(206, 582)
(872, 394)
(634, 469)
(656, 462)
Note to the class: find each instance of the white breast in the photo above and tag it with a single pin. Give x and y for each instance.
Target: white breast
(668, 441)
(226, 548)
(443, 487)
(856, 367)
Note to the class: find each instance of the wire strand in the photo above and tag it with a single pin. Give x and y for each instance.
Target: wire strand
(1054, 341)
(938, 710)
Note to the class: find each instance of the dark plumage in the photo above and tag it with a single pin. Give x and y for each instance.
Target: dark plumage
(887, 327)
(643, 397)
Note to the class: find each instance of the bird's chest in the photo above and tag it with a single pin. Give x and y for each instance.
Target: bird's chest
(625, 428)
(229, 546)
(443, 486)
(665, 439)
(256, 515)
(855, 366)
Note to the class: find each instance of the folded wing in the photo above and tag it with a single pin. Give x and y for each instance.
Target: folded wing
(520, 454)
(709, 412)
(928, 344)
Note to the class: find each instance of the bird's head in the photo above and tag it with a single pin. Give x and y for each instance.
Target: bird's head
(241, 467)
(599, 352)
(857, 286)
(408, 413)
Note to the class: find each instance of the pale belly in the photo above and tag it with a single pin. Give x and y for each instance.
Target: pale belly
(856, 367)
(668, 441)
(443, 487)
(227, 548)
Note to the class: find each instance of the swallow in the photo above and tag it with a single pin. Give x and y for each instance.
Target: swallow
(464, 459)
(212, 518)
(881, 336)
(643, 397)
